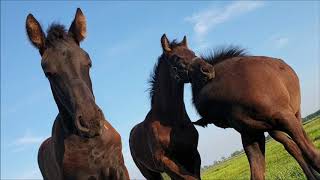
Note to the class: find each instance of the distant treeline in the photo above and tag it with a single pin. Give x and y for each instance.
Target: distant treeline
(236, 153)
(311, 116)
(223, 159)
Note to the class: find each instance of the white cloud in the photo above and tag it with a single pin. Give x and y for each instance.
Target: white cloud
(30, 174)
(208, 19)
(27, 101)
(26, 140)
(280, 42)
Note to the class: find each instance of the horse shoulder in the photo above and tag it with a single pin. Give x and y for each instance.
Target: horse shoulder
(161, 133)
(44, 151)
(47, 161)
(110, 135)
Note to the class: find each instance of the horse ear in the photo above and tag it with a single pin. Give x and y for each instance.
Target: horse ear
(165, 44)
(35, 33)
(78, 27)
(184, 41)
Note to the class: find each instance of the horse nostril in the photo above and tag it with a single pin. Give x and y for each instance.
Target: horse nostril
(99, 113)
(203, 70)
(79, 117)
(175, 69)
(81, 126)
(209, 74)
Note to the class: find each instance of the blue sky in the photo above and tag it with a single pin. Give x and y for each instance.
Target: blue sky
(124, 42)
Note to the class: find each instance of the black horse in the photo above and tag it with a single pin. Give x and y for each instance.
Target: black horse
(166, 141)
(83, 144)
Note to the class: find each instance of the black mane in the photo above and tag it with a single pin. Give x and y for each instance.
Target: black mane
(155, 74)
(221, 54)
(174, 44)
(154, 77)
(56, 32)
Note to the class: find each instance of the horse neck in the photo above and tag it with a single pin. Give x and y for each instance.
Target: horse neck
(63, 117)
(167, 100)
(57, 137)
(196, 88)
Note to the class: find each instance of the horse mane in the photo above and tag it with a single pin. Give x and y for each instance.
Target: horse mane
(174, 44)
(220, 54)
(56, 32)
(154, 77)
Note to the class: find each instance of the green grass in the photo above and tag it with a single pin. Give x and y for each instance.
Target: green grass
(279, 164)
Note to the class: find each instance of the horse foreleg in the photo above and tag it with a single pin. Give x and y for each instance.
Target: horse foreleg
(174, 170)
(147, 173)
(294, 150)
(254, 147)
(197, 164)
(201, 122)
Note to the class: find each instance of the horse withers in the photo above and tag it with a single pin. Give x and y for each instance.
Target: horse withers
(83, 144)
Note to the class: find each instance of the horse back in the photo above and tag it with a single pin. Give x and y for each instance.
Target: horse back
(256, 81)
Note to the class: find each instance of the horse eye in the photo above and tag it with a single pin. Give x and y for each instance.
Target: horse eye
(49, 74)
(175, 57)
(87, 55)
(175, 69)
(183, 65)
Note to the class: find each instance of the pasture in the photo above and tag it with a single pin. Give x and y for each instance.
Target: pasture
(280, 165)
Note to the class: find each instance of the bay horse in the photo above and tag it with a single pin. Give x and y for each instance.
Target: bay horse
(253, 95)
(83, 145)
(166, 141)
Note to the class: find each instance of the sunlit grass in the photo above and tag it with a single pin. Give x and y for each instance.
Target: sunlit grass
(280, 165)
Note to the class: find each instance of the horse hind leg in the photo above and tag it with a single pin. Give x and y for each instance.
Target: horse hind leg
(294, 150)
(254, 147)
(292, 125)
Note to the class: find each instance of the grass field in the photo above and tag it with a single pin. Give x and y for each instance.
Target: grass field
(280, 165)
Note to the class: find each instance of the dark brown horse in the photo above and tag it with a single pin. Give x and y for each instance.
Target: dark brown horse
(253, 95)
(166, 141)
(83, 144)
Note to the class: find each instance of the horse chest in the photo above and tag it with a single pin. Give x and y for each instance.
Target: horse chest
(185, 137)
(178, 136)
(84, 158)
(81, 159)
(161, 133)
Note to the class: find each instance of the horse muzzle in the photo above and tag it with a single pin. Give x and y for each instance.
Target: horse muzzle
(87, 126)
(209, 73)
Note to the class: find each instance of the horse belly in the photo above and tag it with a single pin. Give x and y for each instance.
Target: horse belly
(215, 112)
